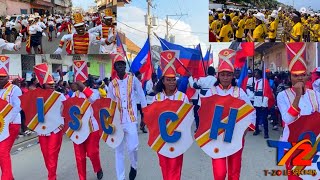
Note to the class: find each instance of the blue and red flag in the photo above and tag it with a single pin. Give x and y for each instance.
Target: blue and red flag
(120, 50)
(190, 58)
(267, 91)
(142, 63)
(244, 50)
(243, 79)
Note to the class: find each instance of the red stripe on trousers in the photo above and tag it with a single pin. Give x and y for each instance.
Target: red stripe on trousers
(230, 164)
(90, 148)
(50, 148)
(171, 167)
(5, 148)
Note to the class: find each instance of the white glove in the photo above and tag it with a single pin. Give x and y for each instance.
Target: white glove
(20, 34)
(58, 34)
(17, 43)
(44, 34)
(191, 81)
(58, 51)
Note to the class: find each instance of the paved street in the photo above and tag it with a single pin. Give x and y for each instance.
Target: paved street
(50, 47)
(28, 164)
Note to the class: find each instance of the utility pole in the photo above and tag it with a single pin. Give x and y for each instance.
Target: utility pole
(149, 3)
(167, 24)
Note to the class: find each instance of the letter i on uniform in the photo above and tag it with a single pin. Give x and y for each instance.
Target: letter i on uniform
(40, 109)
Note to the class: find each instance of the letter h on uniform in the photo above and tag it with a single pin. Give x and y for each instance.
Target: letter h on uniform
(228, 126)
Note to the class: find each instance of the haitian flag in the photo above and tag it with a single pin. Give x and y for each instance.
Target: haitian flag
(142, 63)
(121, 51)
(243, 79)
(267, 91)
(244, 50)
(190, 58)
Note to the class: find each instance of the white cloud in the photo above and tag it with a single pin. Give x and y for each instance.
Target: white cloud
(134, 17)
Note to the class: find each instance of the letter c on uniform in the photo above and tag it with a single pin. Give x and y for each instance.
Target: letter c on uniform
(163, 127)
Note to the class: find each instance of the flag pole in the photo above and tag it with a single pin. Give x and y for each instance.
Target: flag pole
(209, 58)
(176, 58)
(125, 54)
(204, 68)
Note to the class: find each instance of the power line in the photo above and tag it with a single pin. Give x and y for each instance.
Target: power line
(132, 27)
(187, 31)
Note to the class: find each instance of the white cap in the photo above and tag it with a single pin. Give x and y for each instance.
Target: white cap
(78, 24)
(8, 17)
(210, 12)
(219, 9)
(274, 12)
(107, 17)
(231, 9)
(260, 16)
(23, 15)
(274, 15)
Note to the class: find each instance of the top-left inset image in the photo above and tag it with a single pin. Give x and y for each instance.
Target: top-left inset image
(58, 26)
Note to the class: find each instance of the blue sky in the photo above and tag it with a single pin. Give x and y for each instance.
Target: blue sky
(83, 3)
(194, 26)
(315, 4)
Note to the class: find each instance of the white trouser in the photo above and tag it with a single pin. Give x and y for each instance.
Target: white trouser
(132, 141)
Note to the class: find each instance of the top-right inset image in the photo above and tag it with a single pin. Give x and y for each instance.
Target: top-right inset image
(264, 21)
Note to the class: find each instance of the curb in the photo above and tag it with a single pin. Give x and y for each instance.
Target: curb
(19, 145)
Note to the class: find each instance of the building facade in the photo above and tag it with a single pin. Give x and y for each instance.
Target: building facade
(275, 56)
(11, 7)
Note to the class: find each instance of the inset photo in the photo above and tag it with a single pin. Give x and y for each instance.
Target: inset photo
(264, 21)
(58, 27)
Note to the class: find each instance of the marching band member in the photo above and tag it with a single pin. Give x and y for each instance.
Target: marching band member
(58, 22)
(24, 24)
(297, 100)
(90, 147)
(9, 93)
(66, 25)
(150, 93)
(40, 34)
(107, 31)
(33, 39)
(260, 102)
(81, 40)
(50, 143)
(202, 86)
(171, 168)
(297, 30)
(259, 32)
(51, 25)
(224, 86)
(122, 90)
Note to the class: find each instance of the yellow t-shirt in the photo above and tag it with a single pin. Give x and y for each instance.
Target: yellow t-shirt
(249, 23)
(210, 18)
(297, 30)
(216, 26)
(226, 33)
(273, 35)
(259, 33)
(240, 31)
(220, 15)
(315, 33)
(231, 15)
(235, 20)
